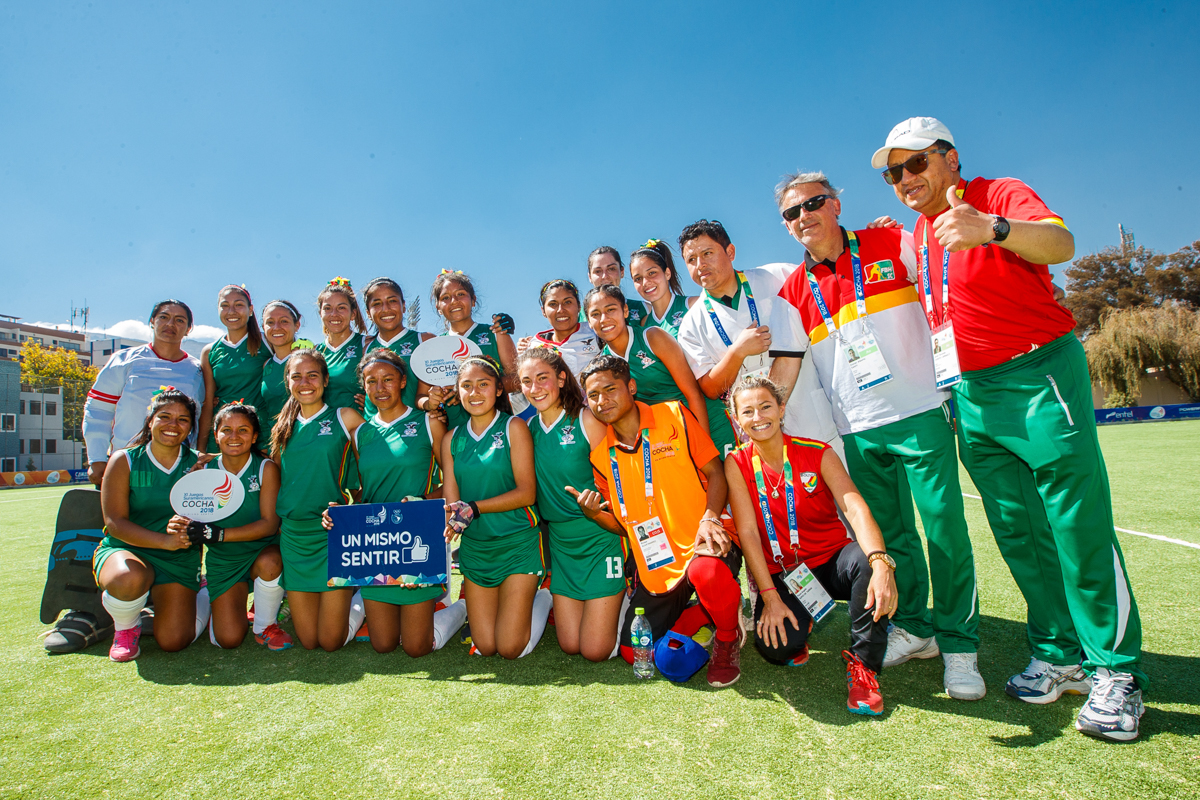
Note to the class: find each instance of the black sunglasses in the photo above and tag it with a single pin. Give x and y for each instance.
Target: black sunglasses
(915, 165)
(810, 205)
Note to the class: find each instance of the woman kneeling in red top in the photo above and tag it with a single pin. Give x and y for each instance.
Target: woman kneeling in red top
(778, 471)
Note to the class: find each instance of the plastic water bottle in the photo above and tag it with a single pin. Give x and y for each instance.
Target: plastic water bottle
(642, 638)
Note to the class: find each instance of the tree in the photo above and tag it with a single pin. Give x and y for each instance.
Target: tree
(57, 368)
(1117, 278)
(1133, 340)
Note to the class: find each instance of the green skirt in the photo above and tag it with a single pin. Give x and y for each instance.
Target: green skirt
(586, 561)
(487, 560)
(305, 548)
(170, 566)
(228, 563)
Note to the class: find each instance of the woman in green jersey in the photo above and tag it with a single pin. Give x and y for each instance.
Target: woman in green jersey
(281, 322)
(605, 268)
(245, 546)
(652, 269)
(311, 443)
(345, 342)
(587, 563)
(454, 297)
(233, 364)
(146, 549)
(384, 300)
(490, 489)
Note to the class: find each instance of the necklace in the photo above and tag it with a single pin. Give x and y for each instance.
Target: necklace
(775, 488)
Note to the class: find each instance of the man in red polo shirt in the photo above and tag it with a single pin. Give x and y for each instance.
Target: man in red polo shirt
(1027, 433)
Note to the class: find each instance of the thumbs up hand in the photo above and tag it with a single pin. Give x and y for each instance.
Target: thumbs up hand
(962, 226)
(418, 552)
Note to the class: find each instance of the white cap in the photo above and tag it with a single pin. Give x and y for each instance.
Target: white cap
(915, 133)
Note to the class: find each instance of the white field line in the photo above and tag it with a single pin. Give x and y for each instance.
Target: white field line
(30, 499)
(1193, 545)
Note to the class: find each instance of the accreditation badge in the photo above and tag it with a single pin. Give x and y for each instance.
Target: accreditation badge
(757, 366)
(651, 538)
(866, 360)
(946, 371)
(809, 591)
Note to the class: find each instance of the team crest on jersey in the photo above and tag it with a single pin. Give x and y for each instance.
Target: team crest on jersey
(677, 316)
(351, 351)
(646, 360)
(397, 516)
(483, 339)
(567, 436)
(809, 481)
(406, 349)
(498, 440)
(326, 428)
(410, 429)
(590, 346)
(881, 271)
(635, 315)
(254, 483)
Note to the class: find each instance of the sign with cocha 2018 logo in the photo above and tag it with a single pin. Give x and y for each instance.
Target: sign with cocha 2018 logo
(436, 360)
(207, 495)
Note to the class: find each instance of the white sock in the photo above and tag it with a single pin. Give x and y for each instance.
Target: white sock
(203, 612)
(268, 597)
(125, 613)
(447, 622)
(358, 612)
(543, 601)
(212, 636)
(620, 625)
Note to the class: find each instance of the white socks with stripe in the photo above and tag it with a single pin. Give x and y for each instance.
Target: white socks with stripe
(125, 613)
(268, 597)
(203, 612)
(543, 601)
(447, 622)
(358, 612)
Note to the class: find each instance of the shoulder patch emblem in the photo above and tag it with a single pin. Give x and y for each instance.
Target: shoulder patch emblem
(809, 481)
(881, 271)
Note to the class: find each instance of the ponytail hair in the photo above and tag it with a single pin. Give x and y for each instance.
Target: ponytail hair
(285, 425)
(164, 397)
(493, 368)
(253, 334)
(659, 252)
(570, 395)
(250, 413)
(342, 286)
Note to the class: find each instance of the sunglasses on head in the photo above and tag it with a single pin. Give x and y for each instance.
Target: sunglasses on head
(810, 205)
(915, 165)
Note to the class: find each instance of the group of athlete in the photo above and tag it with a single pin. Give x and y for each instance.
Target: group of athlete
(627, 459)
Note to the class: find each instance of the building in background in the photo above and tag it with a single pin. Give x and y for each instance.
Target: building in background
(10, 408)
(101, 348)
(44, 440)
(15, 334)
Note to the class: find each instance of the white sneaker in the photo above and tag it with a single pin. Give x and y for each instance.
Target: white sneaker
(902, 645)
(962, 679)
(1113, 708)
(1042, 682)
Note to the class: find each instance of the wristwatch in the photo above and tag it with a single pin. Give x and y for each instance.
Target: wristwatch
(1000, 229)
(879, 555)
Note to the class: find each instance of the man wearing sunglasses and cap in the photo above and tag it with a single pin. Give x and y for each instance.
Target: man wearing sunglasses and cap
(867, 337)
(1026, 429)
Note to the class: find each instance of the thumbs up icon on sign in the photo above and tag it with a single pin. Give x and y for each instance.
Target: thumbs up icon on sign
(418, 552)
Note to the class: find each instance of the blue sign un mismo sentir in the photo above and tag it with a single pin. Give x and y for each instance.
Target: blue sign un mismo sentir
(384, 544)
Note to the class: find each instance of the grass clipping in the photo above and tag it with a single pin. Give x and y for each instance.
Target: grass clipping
(1133, 340)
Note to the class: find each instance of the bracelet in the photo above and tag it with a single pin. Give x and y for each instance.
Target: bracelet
(474, 507)
(768, 589)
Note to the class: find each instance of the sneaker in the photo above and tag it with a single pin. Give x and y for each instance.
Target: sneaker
(362, 635)
(962, 679)
(902, 646)
(464, 633)
(725, 668)
(800, 659)
(864, 697)
(1113, 708)
(274, 637)
(125, 645)
(705, 637)
(1042, 682)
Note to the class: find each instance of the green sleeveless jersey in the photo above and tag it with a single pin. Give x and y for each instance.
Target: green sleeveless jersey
(316, 467)
(150, 486)
(483, 469)
(670, 321)
(237, 375)
(403, 346)
(251, 478)
(560, 458)
(395, 459)
(654, 381)
(482, 335)
(343, 370)
(273, 393)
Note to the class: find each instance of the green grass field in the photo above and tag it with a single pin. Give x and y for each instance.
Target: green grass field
(233, 724)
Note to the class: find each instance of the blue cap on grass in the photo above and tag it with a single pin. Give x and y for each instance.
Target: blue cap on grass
(678, 657)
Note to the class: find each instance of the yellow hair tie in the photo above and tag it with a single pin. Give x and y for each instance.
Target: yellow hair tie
(652, 243)
(340, 281)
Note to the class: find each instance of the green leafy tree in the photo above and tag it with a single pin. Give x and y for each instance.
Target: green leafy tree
(1133, 340)
(1117, 278)
(48, 368)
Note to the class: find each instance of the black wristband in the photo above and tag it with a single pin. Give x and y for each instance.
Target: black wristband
(474, 507)
(204, 533)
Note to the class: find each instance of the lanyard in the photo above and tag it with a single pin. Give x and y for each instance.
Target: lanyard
(745, 284)
(926, 289)
(764, 506)
(616, 472)
(860, 301)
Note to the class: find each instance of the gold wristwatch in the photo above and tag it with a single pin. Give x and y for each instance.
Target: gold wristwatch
(879, 555)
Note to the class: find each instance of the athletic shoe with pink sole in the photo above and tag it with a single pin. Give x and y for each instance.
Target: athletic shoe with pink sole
(125, 645)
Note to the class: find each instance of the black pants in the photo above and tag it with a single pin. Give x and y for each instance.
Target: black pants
(663, 610)
(845, 577)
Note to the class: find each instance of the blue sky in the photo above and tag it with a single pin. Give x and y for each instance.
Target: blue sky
(154, 150)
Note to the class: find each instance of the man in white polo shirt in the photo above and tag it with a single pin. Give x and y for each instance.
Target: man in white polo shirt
(870, 344)
(739, 326)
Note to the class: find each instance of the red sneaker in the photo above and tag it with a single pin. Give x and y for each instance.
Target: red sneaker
(801, 658)
(274, 637)
(864, 687)
(362, 635)
(726, 665)
(125, 645)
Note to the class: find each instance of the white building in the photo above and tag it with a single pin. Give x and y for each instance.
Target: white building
(40, 432)
(101, 348)
(14, 335)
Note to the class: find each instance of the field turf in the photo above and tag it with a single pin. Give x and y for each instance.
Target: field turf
(248, 723)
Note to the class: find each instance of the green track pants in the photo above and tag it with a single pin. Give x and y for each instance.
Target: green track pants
(1028, 438)
(916, 459)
